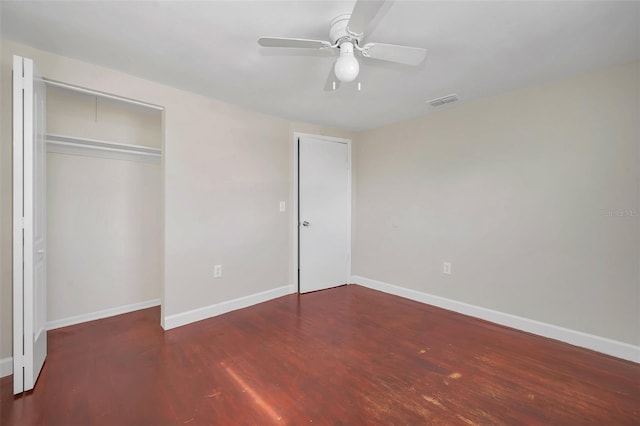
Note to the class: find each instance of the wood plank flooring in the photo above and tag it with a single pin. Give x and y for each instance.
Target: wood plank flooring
(345, 356)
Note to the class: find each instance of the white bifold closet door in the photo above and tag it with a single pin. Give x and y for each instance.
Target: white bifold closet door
(324, 213)
(29, 225)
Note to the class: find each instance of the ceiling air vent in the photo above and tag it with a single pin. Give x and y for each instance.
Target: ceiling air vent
(443, 100)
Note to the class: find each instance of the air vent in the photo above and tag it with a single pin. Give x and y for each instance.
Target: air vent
(443, 100)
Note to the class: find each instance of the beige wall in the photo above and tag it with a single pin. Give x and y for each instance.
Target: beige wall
(82, 115)
(225, 175)
(515, 191)
(104, 215)
(225, 170)
(6, 319)
(312, 129)
(104, 234)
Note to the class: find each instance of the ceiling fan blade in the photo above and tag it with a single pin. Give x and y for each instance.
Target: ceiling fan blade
(332, 82)
(292, 42)
(393, 53)
(363, 13)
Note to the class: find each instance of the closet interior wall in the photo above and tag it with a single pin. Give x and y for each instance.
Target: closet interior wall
(104, 212)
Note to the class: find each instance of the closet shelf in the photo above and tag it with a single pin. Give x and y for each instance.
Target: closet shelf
(102, 149)
(100, 94)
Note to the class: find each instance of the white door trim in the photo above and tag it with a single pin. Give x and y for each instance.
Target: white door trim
(18, 225)
(295, 285)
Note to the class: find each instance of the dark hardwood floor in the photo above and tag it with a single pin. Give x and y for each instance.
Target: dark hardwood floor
(345, 356)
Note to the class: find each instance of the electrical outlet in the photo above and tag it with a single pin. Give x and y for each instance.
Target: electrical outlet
(446, 268)
(217, 271)
(283, 206)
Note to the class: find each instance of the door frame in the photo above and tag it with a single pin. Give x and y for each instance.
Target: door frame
(294, 287)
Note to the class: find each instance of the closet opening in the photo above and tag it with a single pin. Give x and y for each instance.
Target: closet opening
(104, 204)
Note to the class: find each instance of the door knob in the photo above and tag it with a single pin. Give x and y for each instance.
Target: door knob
(305, 223)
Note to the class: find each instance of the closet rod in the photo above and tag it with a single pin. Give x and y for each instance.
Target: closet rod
(101, 94)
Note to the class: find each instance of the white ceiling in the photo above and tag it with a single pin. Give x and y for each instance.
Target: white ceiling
(474, 49)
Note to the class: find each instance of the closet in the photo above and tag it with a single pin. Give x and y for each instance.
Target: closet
(104, 208)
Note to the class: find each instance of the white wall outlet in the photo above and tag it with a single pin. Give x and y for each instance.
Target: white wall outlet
(217, 271)
(283, 206)
(446, 268)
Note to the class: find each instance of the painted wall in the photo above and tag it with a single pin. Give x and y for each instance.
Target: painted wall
(86, 116)
(533, 196)
(313, 129)
(104, 215)
(224, 171)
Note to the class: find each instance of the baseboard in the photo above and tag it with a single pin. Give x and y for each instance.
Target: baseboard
(105, 313)
(577, 338)
(184, 318)
(6, 366)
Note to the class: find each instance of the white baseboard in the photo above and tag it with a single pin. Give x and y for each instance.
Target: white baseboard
(184, 318)
(577, 338)
(105, 313)
(6, 367)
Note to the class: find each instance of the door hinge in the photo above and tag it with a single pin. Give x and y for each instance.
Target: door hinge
(19, 361)
(22, 81)
(22, 222)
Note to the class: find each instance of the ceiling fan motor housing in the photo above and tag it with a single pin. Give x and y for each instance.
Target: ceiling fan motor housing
(338, 30)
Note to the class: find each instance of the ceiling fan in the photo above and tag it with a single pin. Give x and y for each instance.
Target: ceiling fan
(346, 33)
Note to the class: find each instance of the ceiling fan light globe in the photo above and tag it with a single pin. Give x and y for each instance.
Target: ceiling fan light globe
(347, 68)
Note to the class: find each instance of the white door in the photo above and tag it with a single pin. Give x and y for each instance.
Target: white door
(29, 225)
(324, 213)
